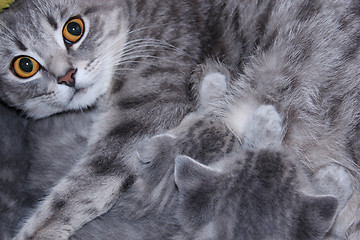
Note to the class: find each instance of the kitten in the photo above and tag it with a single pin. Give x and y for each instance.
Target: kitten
(259, 198)
(300, 56)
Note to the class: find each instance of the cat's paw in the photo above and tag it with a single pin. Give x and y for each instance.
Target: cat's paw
(337, 181)
(264, 128)
(212, 87)
(154, 148)
(334, 180)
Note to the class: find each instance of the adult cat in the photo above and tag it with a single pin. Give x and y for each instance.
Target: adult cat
(136, 63)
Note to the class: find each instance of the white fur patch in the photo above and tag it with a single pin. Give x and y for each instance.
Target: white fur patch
(238, 117)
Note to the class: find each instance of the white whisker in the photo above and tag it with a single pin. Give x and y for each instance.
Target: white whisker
(11, 34)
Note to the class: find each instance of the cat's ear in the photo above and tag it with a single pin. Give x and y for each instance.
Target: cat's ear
(191, 175)
(317, 216)
(197, 186)
(158, 147)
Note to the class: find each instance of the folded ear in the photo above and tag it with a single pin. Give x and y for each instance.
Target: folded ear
(191, 176)
(156, 147)
(317, 216)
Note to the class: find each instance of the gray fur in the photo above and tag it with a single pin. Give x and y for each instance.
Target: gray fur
(300, 56)
(258, 195)
(13, 171)
(258, 199)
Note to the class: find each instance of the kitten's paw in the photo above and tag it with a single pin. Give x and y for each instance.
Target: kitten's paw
(212, 87)
(154, 147)
(334, 180)
(270, 120)
(264, 128)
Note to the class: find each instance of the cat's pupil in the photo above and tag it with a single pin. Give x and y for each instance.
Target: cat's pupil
(26, 65)
(74, 29)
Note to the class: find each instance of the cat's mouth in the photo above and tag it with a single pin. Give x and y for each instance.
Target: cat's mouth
(80, 90)
(82, 97)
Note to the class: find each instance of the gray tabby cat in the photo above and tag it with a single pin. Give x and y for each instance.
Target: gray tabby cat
(247, 191)
(133, 68)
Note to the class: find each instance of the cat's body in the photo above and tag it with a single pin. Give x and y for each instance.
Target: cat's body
(300, 56)
(38, 154)
(14, 167)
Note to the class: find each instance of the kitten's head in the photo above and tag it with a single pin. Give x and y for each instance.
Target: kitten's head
(256, 199)
(59, 55)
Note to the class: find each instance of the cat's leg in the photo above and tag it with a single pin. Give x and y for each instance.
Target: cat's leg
(75, 200)
(95, 183)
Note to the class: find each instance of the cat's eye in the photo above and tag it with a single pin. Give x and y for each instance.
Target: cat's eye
(73, 30)
(25, 67)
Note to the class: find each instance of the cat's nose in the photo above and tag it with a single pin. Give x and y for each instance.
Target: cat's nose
(68, 79)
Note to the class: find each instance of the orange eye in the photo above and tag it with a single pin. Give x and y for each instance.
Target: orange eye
(25, 67)
(73, 30)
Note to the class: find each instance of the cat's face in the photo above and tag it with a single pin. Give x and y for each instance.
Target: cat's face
(255, 199)
(59, 55)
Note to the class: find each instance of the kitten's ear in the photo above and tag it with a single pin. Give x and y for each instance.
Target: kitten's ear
(317, 216)
(191, 175)
(156, 147)
(197, 185)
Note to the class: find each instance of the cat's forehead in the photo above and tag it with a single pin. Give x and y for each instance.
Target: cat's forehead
(35, 26)
(30, 13)
(58, 9)
(32, 18)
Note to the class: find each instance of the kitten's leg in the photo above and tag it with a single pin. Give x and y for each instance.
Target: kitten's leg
(212, 88)
(264, 129)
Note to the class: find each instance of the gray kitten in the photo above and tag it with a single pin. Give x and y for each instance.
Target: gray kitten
(133, 69)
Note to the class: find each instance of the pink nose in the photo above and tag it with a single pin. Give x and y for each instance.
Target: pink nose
(68, 79)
